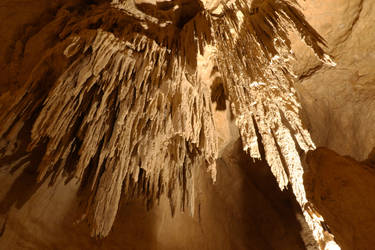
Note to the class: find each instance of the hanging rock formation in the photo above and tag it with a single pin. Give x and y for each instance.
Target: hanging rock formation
(117, 97)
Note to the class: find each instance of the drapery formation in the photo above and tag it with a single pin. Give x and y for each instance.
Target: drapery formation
(128, 116)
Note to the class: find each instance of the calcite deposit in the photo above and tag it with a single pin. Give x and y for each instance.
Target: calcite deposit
(118, 106)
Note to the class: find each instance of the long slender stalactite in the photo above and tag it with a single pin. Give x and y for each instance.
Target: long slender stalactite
(254, 53)
(127, 114)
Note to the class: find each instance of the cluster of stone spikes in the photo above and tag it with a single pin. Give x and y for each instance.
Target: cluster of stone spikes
(259, 82)
(128, 116)
(254, 53)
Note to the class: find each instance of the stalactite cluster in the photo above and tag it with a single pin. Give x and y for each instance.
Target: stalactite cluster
(254, 53)
(128, 115)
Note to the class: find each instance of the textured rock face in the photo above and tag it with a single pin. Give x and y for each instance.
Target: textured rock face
(342, 189)
(337, 104)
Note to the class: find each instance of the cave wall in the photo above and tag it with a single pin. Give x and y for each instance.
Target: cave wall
(342, 190)
(339, 106)
(339, 101)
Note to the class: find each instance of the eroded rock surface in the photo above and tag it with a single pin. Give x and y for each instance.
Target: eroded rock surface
(339, 102)
(342, 190)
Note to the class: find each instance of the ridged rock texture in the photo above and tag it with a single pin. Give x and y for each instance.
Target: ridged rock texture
(127, 114)
(117, 97)
(255, 54)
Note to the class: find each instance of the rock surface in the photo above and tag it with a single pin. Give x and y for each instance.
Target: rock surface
(342, 190)
(339, 102)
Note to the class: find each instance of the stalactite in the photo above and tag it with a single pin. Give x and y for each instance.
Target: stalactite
(129, 113)
(129, 116)
(254, 54)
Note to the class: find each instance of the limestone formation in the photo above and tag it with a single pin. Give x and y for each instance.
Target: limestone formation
(255, 55)
(118, 100)
(127, 113)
